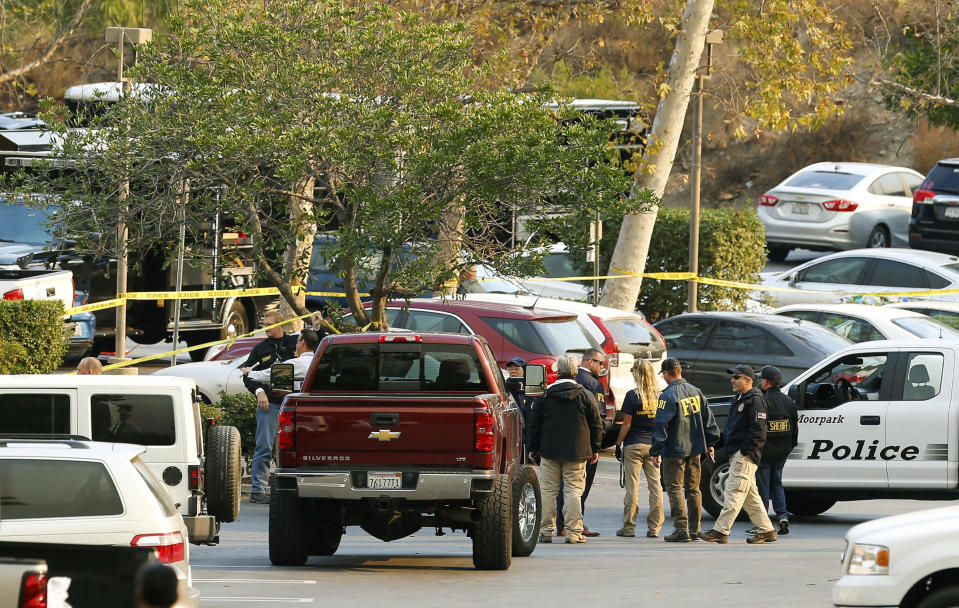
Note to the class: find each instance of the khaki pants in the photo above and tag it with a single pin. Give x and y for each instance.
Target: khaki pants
(636, 458)
(573, 474)
(741, 493)
(682, 474)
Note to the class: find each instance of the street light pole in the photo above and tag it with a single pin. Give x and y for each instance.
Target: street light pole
(713, 37)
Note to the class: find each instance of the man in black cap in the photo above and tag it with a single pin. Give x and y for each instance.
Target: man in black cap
(745, 436)
(515, 384)
(782, 435)
(684, 430)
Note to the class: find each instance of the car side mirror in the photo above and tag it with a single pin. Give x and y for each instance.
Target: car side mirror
(281, 378)
(535, 377)
(793, 279)
(793, 393)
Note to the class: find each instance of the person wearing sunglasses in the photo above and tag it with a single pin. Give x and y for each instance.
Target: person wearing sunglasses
(745, 437)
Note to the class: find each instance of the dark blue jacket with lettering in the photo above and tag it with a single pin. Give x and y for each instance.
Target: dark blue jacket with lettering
(590, 383)
(746, 425)
(684, 424)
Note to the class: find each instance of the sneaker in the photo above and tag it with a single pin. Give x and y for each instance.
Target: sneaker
(590, 533)
(753, 531)
(560, 532)
(651, 534)
(694, 535)
(677, 536)
(545, 539)
(260, 498)
(783, 526)
(714, 536)
(762, 537)
(622, 532)
(575, 540)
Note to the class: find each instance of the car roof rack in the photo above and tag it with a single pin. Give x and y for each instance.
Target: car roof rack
(75, 441)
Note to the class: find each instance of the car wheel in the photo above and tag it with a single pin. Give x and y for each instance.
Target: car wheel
(287, 536)
(778, 253)
(527, 511)
(947, 597)
(806, 504)
(492, 534)
(222, 472)
(878, 238)
(712, 483)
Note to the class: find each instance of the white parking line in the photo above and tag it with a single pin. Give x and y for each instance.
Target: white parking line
(273, 600)
(252, 580)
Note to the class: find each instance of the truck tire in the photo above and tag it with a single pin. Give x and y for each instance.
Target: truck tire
(807, 504)
(527, 512)
(326, 531)
(287, 536)
(222, 472)
(492, 534)
(712, 483)
(946, 597)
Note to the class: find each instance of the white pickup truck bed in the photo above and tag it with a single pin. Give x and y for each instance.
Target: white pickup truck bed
(37, 284)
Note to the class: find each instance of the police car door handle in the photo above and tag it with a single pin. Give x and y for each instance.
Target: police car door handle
(869, 420)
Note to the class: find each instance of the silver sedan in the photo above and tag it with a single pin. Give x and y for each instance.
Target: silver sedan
(839, 206)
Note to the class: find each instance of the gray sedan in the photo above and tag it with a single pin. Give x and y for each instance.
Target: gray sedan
(709, 343)
(839, 206)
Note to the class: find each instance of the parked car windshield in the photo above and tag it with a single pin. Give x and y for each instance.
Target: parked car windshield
(924, 327)
(558, 265)
(943, 178)
(543, 336)
(24, 224)
(635, 337)
(817, 337)
(827, 180)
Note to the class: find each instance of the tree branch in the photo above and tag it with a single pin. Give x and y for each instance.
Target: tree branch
(55, 44)
(922, 95)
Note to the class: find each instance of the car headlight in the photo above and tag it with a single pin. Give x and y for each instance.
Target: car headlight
(869, 559)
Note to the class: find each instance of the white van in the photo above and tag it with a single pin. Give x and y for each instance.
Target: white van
(160, 413)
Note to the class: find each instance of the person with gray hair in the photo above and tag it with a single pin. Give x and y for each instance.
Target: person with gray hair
(565, 434)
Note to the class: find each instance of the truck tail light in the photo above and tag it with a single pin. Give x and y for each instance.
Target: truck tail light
(484, 431)
(33, 591)
(194, 474)
(552, 374)
(13, 294)
(840, 205)
(169, 546)
(922, 195)
(768, 200)
(285, 437)
(610, 347)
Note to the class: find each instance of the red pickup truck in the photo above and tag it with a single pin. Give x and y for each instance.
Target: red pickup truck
(396, 432)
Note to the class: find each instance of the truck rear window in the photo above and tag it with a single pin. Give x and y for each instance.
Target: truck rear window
(399, 367)
(32, 489)
(132, 418)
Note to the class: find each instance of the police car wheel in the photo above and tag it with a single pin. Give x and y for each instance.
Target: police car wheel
(807, 504)
(713, 483)
(941, 598)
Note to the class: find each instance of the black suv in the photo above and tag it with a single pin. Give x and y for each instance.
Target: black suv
(934, 224)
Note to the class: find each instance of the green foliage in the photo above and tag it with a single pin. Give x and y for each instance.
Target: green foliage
(732, 247)
(237, 410)
(32, 333)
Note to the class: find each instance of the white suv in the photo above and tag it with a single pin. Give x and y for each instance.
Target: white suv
(89, 493)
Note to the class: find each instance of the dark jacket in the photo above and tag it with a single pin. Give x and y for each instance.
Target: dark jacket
(264, 355)
(564, 424)
(782, 427)
(515, 385)
(590, 383)
(746, 426)
(684, 425)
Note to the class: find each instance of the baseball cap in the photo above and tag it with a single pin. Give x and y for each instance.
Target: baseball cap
(772, 374)
(517, 362)
(742, 368)
(669, 364)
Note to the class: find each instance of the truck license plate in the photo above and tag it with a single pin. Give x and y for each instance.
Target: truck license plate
(951, 212)
(384, 481)
(800, 209)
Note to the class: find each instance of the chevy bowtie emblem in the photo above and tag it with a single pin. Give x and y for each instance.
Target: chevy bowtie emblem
(384, 435)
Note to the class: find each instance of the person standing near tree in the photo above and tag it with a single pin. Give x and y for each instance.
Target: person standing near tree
(684, 429)
(276, 347)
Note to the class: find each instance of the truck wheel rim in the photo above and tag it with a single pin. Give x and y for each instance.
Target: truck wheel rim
(526, 515)
(717, 485)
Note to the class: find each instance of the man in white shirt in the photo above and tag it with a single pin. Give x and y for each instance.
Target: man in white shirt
(306, 345)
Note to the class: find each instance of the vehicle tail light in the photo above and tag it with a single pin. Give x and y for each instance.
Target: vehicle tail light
(285, 437)
(610, 347)
(768, 200)
(484, 431)
(840, 205)
(922, 195)
(552, 374)
(169, 546)
(13, 294)
(400, 338)
(33, 591)
(194, 473)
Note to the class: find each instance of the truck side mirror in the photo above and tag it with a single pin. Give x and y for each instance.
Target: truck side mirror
(535, 376)
(793, 393)
(281, 377)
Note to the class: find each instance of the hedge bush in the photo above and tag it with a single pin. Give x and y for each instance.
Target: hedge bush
(732, 246)
(237, 410)
(36, 326)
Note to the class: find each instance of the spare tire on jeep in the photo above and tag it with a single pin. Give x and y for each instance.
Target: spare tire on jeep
(222, 473)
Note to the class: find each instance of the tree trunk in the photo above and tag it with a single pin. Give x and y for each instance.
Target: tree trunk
(296, 258)
(450, 242)
(632, 246)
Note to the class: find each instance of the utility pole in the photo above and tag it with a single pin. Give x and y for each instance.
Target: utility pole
(713, 37)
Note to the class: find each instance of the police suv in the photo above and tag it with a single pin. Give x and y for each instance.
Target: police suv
(876, 420)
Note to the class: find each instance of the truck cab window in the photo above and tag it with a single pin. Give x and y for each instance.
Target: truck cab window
(35, 413)
(856, 378)
(923, 377)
